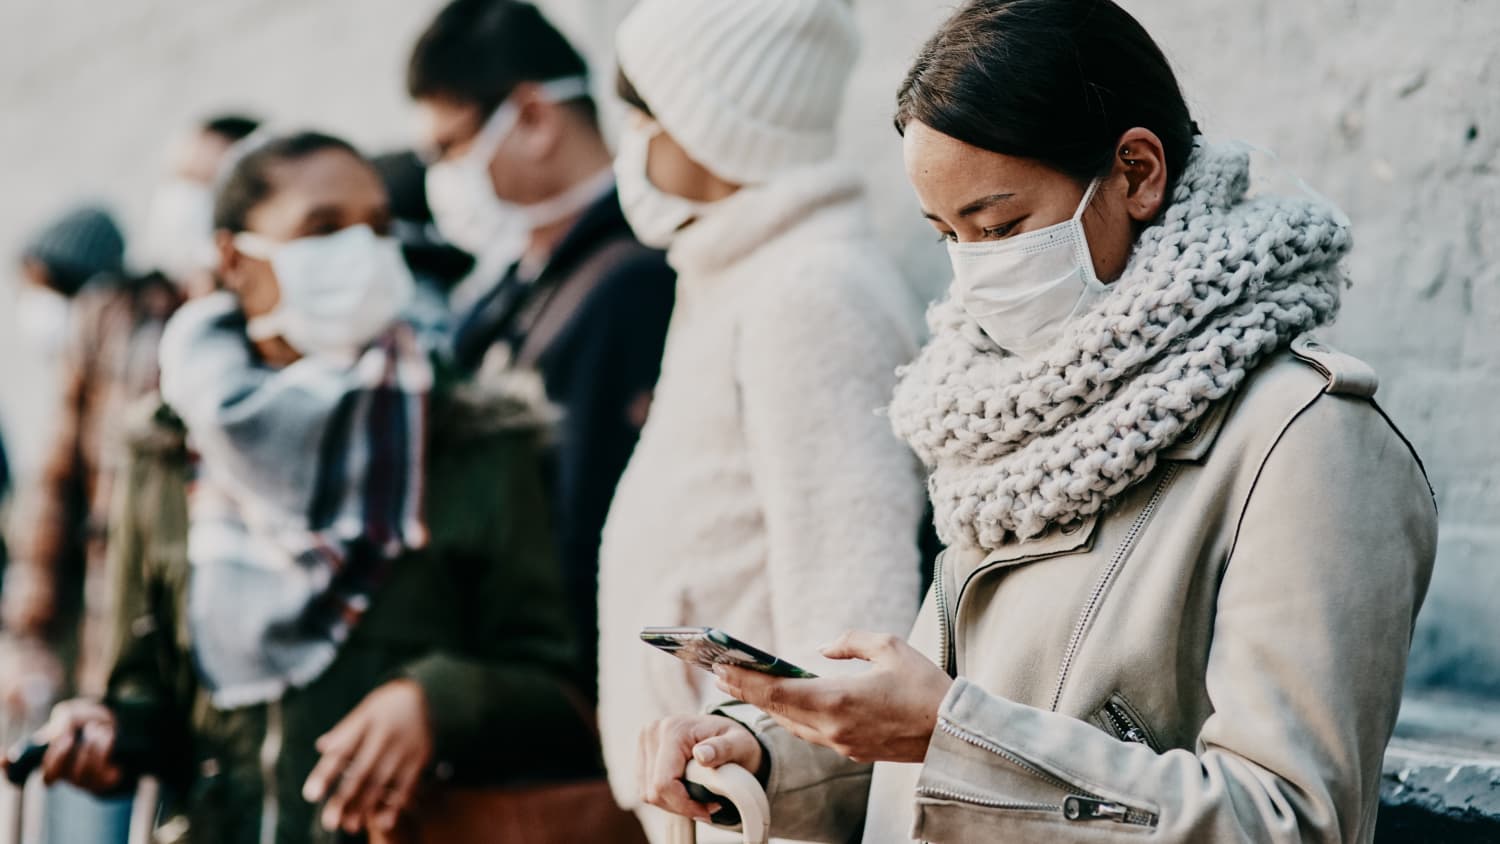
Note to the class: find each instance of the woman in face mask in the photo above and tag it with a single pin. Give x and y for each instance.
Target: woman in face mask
(332, 572)
(1185, 547)
(767, 496)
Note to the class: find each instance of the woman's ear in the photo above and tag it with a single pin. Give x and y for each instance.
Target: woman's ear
(541, 122)
(1142, 161)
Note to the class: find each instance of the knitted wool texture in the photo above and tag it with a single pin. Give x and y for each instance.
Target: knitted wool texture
(1219, 283)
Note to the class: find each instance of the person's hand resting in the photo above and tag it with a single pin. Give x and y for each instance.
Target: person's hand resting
(373, 760)
(666, 747)
(80, 737)
(886, 714)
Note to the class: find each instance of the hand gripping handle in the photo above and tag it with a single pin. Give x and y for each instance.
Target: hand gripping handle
(740, 788)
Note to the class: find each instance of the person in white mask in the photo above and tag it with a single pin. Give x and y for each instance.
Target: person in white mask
(332, 575)
(1185, 547)
(520, 176)
(768, 497)
(178, 240)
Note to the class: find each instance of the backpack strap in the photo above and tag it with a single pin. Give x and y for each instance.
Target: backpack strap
(555, 310)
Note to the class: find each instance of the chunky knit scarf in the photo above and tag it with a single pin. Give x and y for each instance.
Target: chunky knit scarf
(1220, 282)
(308, 485)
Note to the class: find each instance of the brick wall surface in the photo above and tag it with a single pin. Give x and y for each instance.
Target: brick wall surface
(1389, 108)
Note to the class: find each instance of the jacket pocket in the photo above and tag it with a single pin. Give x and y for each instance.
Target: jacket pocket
(1121, 720)
(1073, 803)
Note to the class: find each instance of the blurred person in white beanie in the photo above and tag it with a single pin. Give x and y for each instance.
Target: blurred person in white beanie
(766, 497)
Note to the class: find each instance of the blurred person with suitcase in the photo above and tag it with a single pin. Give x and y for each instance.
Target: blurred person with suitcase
(331, 575)
(55, 600)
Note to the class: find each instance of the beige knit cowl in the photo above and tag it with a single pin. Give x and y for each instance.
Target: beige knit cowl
(1217, 284)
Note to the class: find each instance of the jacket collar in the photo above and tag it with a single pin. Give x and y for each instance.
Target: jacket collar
(1194, 447)
(600, 222)
(1200, 438)
(962, 564)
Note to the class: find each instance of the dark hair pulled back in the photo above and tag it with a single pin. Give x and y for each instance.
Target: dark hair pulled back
(1056, 81)
(249, 181)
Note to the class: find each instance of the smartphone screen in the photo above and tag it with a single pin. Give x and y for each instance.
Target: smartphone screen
(706, 647)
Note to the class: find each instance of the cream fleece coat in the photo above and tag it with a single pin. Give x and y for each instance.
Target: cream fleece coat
(767, 496)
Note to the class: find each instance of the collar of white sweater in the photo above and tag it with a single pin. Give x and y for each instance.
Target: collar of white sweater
(812, 201)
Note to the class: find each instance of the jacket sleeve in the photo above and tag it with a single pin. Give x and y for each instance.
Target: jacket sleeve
(150, 687)
(1313, 624)
(815, 793)
(841, 495)
(508, 704)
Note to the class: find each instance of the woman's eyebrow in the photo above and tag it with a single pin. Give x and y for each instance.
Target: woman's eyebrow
(973, 207)
(984, 202)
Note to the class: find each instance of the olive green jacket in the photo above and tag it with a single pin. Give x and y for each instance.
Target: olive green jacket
(476, 618)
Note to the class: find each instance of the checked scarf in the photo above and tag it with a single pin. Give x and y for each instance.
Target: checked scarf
(307, 486)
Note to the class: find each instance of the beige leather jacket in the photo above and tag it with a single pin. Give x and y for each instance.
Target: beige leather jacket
(1217, 657)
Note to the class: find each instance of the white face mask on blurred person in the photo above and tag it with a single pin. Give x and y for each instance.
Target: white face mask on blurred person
(179, 237)
(338, 292)
(462, 196)
(654, 215)
(41, 317)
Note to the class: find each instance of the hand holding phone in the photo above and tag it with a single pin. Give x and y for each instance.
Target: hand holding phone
(706, 647)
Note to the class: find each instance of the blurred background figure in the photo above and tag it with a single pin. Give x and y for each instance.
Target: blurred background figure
(766, 497)
(55, 602)
(81, 244)
(373, 595)
(521, 178)
(54, 597)
(77, 304)
(179, 238)
(437, 265)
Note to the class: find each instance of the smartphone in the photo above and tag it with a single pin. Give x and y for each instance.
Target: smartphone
(706, 647)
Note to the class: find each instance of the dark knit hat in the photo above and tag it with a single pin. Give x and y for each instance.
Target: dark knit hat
(77, 246)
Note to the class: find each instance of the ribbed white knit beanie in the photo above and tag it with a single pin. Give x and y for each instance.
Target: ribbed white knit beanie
(749, 88)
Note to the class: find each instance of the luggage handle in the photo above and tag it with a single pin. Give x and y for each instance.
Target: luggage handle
(741, 789)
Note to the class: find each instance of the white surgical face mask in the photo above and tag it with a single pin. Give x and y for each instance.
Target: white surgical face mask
(1023, 290)
(462, 196)
(41, 317)
(653, 215)
(338, 292)
(179, 237)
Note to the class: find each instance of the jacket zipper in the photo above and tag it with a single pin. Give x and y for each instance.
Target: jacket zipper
(1124, 724)
(1079, 805)
(270, 750)
(1121, 553)
(945, 635)
(976, 800)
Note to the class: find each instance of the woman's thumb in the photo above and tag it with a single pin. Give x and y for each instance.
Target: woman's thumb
(737, 747)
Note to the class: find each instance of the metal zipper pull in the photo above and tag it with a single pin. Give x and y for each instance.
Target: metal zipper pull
(1077, 808)
(1125, 724)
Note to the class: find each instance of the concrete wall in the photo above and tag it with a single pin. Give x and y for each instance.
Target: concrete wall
(1389, 108)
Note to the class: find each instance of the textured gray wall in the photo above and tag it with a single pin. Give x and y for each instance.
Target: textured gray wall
(1391, 109)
